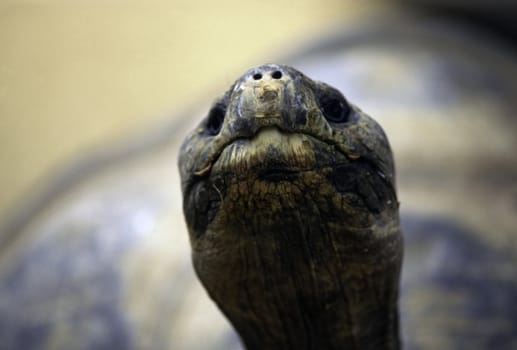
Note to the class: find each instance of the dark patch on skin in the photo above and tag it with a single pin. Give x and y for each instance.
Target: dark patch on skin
(242, 124)
(342, 179)
(287, 108)
(277, 174)
(301, 117)
(361, 179)
(206, 199)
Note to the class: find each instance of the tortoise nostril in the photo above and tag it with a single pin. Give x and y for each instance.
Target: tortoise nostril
(276, 74)
(257, 76)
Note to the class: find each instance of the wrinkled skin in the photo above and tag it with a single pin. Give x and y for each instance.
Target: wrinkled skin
(290, 201)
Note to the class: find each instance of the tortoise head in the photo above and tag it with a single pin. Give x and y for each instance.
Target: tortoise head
(289, 198)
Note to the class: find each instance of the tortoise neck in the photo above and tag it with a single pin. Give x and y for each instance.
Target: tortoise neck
(308, 289)
(306, 276)
(342, 327)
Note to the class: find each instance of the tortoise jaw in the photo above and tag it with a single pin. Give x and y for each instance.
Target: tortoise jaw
(274, 155)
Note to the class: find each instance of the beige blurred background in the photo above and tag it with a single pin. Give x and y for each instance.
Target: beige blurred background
(76, 75)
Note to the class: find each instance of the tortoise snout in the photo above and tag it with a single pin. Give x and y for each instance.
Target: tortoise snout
(265, 96)
(267, 93)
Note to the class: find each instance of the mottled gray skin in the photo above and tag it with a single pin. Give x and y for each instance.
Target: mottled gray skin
(290, 202)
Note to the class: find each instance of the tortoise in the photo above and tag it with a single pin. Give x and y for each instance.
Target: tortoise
(290, 201)
(103, 262)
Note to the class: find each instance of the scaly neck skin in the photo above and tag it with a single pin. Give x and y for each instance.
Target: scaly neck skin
(293, 280)
(313, 337)
(343, 324)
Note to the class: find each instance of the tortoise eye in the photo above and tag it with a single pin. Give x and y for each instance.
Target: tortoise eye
(216, 119)
(334, 106)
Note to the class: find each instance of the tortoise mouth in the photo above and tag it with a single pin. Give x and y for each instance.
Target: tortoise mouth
(274, 155)
(275, 174)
